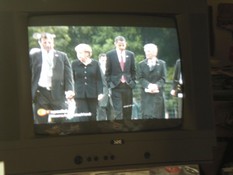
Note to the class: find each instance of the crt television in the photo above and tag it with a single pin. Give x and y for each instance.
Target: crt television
(178, 27)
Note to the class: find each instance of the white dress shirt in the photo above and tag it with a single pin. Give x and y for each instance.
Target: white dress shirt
(46, 69)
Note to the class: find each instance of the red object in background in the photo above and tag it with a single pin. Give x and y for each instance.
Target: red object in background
(231, 54)
(173, 170)
(225, 16)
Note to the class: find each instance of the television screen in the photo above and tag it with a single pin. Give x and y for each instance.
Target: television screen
(81, 90)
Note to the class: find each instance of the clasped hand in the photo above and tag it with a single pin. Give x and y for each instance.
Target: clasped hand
(100, 96)
(153, 88)
(69, 94)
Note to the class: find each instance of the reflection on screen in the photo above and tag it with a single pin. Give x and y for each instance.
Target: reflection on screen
(77, 75)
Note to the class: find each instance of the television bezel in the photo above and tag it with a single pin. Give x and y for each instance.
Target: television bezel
(25, 153)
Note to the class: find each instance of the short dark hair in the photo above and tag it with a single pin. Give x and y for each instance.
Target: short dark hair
(120, 38)
(102, 55)
(47, 35)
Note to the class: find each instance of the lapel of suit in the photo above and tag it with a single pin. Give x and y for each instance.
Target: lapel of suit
(39, 58)
(127, 60)
(56, 66)
(116, 59)
(55, 57)
(152, 68)
(145, 67)
(39, 61)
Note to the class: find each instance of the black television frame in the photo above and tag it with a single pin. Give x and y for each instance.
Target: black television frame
(25, 153)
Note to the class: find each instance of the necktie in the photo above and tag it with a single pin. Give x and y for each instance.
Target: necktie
(122, 63)
(122, 68)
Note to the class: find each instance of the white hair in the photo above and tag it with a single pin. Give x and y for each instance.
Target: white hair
(150, 46)
(83, 47)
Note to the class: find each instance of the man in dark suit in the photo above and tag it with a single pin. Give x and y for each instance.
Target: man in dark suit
(177, 81)
(104, 105)
(52, 81)
(120, 75)
(177, 88)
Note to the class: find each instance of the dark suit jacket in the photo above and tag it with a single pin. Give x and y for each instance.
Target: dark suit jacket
(62, 79)
(155, 75)
(87, 79)
(105, 100)
(152, 105)
(177, 74)
(113, 69)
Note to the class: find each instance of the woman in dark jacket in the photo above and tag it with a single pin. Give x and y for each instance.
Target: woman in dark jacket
(152, 75)
(87, 82)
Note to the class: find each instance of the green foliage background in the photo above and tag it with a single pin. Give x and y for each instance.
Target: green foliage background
(101, 40)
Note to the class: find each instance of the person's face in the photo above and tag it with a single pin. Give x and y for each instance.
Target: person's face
(121, 45)
(102, 59)
(83, 54)
(47, 44)
(150, 53)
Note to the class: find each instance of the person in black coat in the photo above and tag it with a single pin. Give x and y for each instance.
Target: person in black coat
(177, 87)
(87, 82)
(104, 109)
(52, 81)
(152, 77)
(120, 76)
(177, 81)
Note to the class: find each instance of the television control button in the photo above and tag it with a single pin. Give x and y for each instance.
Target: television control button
(89, 159)
(105, 157)
(112, 157)
(96, 158)
(147, 155)
(78, 159)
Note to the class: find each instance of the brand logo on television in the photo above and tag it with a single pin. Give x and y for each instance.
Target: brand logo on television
(117, 142)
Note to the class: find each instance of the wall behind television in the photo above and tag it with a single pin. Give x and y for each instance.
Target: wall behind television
(223, 39)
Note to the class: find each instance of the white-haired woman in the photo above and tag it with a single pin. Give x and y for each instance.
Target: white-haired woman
(87, 82)
(152, 77)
